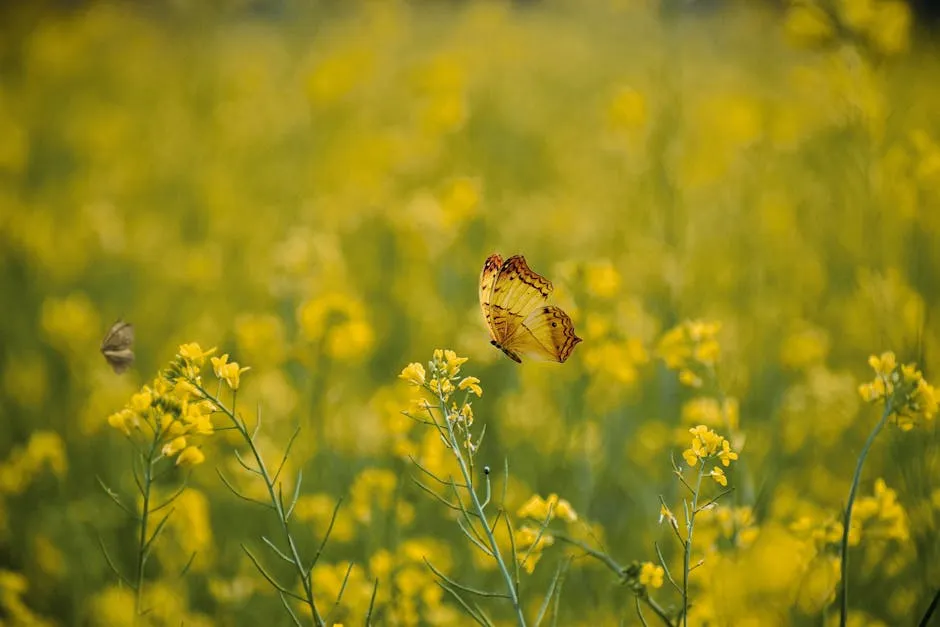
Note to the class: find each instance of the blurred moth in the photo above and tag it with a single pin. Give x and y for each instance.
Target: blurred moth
(117, 346)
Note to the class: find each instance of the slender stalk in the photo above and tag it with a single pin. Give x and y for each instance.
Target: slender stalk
(478, 508)
(269, 483)
(847, 521)
(687, 545)
(142, 548)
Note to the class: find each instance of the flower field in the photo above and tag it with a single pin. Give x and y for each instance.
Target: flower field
(738, 206)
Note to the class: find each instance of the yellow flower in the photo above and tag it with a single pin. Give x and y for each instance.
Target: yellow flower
(651, 575)
(719, 476)
(442, 387)
(228, 372)
(194, 354)
(191, 456)
(174, 446)
(883, 365)
(690, 455)
(124, 420)
(448, 362)
(141, 401)
(413, 373)
(726, 454)
(471, 383)
(535, 507)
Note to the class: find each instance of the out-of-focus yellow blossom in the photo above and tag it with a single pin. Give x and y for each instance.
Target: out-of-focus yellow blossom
(13, 586)
(529, 546)
(602, 279)
(191, 456)
(627, 110)
(261, 340)
(541, 509)
(689, 348)
(808, 24)
(460, 200)
(338, 322)
(911, 399)
(880, 515)
(651, 575)
(45, 450)
(318, 510)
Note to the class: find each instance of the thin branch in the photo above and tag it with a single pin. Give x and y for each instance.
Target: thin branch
(290, 612)
(326, 536)
(375, 589)
(435, 495)
(296, 496)
(175, 496)
(114, 569)
(460, 586)
(551, 591)
(239, 494)
(662, 561)
(290, 443)
(276, 550)
(114, 497)
(469, 610)
(435, 477)
(189, 563)
(271, 580)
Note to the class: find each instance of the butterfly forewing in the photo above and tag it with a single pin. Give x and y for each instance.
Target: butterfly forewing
(117, 346)
(491, 270)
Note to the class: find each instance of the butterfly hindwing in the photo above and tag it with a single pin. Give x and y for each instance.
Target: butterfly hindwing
(547, 334)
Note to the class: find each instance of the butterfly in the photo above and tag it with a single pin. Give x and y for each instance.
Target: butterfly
(117, 346)
(514, 300)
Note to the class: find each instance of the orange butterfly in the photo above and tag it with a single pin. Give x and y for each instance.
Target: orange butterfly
(514, 300)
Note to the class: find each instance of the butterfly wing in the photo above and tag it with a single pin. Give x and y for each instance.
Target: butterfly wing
(491, 270)
(516, 292)
(546, 334)
(117, 346)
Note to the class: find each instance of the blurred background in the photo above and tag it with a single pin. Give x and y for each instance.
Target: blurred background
(314, 186)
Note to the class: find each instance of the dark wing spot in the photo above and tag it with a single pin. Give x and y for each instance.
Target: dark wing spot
(554, 324)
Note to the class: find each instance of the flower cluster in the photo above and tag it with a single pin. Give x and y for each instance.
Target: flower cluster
(706, 444)
(175, 412)
(651, 575)
(442, 379)
(691, 348)
(910, 399)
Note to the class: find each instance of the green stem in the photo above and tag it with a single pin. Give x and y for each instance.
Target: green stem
(142, 530)
(687, 545)
(491, 539)
(305, 578)
(847, 521)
